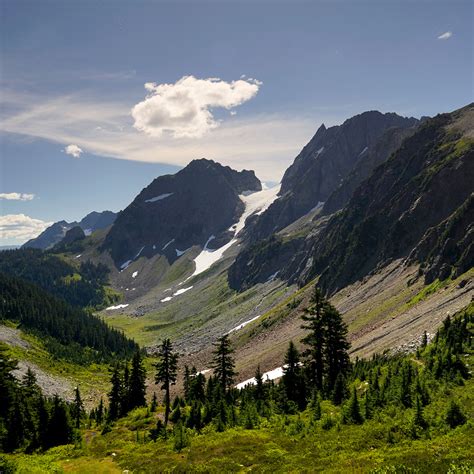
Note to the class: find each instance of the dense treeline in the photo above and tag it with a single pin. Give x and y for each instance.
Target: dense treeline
(28, 420)
(68, 332)
(82, 286)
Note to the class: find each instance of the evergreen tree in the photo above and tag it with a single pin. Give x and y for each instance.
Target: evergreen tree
(454, 416)
(195, 417)
(78, 408)
(353, 413)
(419, 419)
(99, 414)
(187, 383)
(154, 403)
(339, 392)
(125, 391)
(316, 406)
(292, 377)
(59, 426)
(405, 384)
(327, 347)
(259, 390)
(166, 372)
(223, 364)
(115, 395)
(336, 346)
(137, 383)
(314, 354)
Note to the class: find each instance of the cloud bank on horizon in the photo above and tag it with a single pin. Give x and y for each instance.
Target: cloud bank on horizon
(20, 227)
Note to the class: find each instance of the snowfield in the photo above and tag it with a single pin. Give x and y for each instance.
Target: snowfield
(176, 293)
(134, 274)
(255, 203)
(160, 197)
(119, 306)
(242, 325)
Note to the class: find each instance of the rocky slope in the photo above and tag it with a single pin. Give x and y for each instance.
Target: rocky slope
(56, 232)
(196, 206)
(325, 162)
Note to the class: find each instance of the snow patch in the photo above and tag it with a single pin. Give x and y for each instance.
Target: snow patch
(270, 375)
(119, 306)
(176, 293)
(134, 274)
(318, 152)
(273, 276)
(205, 371)
(363, 151)
(87, 232)
(181, 291)
(255, 203)
(181, 252)
(241, 326)
(79, 256)
(160, 197)
(166, 245)
(125, 264)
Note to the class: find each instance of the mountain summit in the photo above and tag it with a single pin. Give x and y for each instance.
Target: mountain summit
(324, 163)
(175, 212)
(57, 231)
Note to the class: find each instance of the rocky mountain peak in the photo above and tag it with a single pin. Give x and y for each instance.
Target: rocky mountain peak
(177, 212)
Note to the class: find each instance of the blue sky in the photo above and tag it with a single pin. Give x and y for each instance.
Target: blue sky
(79, 131)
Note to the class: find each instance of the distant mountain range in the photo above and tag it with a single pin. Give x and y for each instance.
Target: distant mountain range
(56, 232)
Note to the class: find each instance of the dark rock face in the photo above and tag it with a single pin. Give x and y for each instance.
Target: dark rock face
(56, 232)
(448, 248)
(263, 261)
(375, 155)
(417, 205)
(71, 241)
(420, 186)
(97, 220)
(178, 211)
(73, 235)
(322, 166)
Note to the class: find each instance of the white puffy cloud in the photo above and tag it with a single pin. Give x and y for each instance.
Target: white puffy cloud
(73, 150)
(20, 227)
(17, 196)
(445, 35)
(184, 109)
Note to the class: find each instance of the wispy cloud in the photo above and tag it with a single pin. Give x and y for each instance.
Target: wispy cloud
(446, 35)
(73, 150)
(183, 109)
(17, 196)
(20, 227)
(264, 143)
